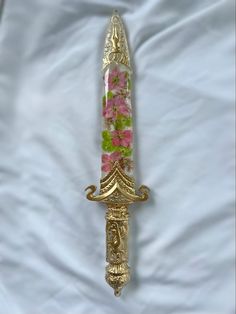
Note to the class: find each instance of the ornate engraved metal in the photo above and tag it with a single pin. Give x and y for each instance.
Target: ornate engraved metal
(117, 191)
(117, 187)
(116, 48)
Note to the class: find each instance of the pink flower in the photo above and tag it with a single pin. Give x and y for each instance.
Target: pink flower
(116, 106)
(108, 161)
(122, 138)
(116, 79)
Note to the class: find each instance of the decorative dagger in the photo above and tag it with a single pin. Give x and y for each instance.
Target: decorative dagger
(117, 185)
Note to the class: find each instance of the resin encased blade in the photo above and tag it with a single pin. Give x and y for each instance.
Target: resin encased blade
(117, 134)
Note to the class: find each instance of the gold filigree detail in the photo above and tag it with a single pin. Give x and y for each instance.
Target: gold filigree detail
(117, 276)
(117, 271)
(117, 187)
(116, 47)
(117, 190)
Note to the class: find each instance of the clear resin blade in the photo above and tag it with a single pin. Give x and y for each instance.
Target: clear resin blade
(117, 143)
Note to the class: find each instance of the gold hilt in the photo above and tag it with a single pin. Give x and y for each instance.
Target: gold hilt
(117, 192)
(117, 225)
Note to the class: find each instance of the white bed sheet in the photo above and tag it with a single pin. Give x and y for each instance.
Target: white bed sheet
(52, 240)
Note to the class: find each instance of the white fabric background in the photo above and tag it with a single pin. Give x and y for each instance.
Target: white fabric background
(52, 240)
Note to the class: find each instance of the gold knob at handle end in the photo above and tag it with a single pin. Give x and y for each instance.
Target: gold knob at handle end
(117, 280)
(117, 292)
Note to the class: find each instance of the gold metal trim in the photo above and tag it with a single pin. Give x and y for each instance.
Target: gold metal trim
(117, 190)
(116, 47)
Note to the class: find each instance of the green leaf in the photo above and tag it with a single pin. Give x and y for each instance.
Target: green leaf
(125, 151)
(128, 121)
(109, 94)
(129, 84)
(106, 135)
(104, 101)
(107, 146)
(122, 122)
(118, 124)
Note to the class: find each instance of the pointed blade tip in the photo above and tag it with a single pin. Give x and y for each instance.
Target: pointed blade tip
(115, 12)
(116, 42)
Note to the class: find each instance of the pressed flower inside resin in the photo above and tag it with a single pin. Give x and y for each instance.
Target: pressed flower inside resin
(117, 135)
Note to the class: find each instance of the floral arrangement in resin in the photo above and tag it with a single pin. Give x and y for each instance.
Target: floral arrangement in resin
(117, 135)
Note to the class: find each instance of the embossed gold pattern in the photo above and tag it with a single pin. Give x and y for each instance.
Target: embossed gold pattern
(117, 191)
(116, 47)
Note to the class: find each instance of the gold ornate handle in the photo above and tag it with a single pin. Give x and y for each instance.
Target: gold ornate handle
(117, 226)
(117, 192)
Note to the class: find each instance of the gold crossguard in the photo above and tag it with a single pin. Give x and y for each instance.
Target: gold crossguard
(117, 190)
